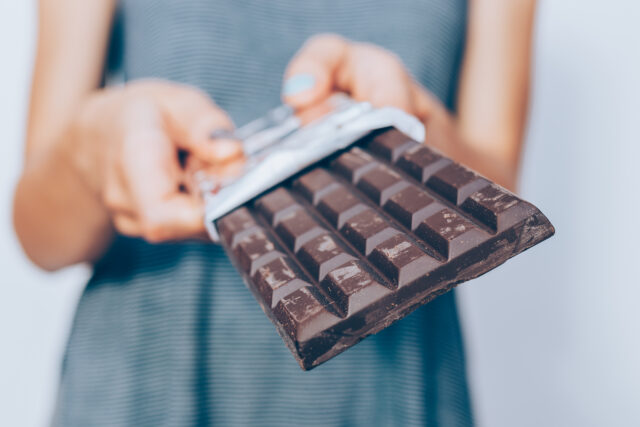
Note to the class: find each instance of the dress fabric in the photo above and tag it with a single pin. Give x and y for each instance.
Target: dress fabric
(168, 335)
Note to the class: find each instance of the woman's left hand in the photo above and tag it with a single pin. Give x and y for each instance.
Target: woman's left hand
(328, 63)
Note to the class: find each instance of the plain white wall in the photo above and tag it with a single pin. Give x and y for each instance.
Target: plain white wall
(552, 335)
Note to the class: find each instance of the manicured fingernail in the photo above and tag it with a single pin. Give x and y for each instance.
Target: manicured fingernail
(298, 84)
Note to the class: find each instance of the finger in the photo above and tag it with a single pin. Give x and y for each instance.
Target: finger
(178, 217)
(191, 117)
(153, 176)
(309, 77)
(115, 196)
(164, 224)
(127, 225)
(375, 75)
(199, 177)
(365, 71)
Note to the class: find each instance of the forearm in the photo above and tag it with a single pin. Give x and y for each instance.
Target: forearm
(498, 169)
(494, 87)
(58, 219)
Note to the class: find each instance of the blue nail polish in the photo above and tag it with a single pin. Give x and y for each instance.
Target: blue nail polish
(298, 84)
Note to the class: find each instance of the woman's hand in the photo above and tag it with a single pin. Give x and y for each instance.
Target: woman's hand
(328, 63)
(125, 146)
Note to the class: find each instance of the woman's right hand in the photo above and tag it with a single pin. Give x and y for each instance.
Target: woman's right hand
(125, 143)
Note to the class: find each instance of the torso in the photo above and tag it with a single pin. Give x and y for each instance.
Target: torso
(168, 334)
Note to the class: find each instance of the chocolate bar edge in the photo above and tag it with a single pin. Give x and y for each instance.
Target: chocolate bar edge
(328, 343)
(332, 342)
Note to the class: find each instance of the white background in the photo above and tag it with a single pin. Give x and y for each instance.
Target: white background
(553, 336)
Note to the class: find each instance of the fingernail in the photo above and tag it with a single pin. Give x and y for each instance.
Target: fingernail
(298, 84)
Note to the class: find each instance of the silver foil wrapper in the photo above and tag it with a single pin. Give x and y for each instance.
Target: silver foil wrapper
(281, 144)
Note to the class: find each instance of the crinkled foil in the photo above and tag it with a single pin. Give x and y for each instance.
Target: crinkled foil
(281, 144)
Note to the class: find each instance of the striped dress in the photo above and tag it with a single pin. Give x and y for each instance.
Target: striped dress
(168, 335)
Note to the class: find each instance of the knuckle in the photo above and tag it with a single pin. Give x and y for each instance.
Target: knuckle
(111, 201)
(151, 227)
(122, 228)
(153, 232)
(143, 84)
(325, 39)
(113, 196)
(191, 94)
(136, 105)
(150, 85)
(389, 58)
(150, 90)
(213, 116)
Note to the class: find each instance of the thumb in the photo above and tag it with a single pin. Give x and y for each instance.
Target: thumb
(195, 133)
(310, 75)
(190, 118)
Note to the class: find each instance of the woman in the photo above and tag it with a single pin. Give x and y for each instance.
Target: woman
(165, 332)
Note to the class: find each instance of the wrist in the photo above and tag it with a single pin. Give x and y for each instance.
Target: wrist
(83, 146)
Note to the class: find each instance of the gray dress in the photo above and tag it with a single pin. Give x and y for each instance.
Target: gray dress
(168, 335)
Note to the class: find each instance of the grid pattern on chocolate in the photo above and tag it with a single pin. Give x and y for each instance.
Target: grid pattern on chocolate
(362, 239)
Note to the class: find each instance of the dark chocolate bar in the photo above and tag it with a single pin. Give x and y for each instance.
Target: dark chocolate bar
(348, 247)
